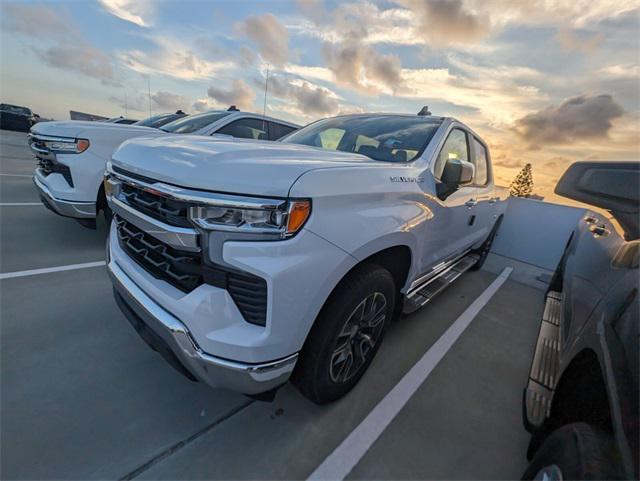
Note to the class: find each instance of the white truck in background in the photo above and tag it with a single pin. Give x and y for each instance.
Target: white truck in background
(72, 155)
(246, 264)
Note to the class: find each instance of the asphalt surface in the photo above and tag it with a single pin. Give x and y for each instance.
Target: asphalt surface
(82, 397)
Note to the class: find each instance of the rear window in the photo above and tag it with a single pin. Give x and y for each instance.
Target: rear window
(14, 109)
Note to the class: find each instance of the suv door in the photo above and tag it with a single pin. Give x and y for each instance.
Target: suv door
(454, 230)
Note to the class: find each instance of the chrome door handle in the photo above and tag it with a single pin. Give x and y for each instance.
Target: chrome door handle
(493, 200)
(599, 231)
(471, 202)
(590, 219)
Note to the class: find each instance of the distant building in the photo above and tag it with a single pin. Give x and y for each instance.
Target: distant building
(84, 116)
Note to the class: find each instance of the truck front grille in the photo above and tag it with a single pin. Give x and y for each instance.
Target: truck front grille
(169, 211)
(186, 271)
(179, 268)
(48, 167)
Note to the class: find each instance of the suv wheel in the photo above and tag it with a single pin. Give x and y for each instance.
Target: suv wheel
(346, 335)
(575, 451)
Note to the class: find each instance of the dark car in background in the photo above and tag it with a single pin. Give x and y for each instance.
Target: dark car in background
(581, 398)
(15, 117)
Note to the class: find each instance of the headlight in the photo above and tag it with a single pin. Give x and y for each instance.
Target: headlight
(71, 146)
(277, 220)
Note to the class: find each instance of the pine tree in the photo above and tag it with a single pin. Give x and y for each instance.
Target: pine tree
(522, 185)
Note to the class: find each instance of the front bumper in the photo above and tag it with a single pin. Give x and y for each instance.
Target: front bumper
(66, 208)
(171, 338)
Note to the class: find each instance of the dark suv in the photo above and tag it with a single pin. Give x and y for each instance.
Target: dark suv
(14, 117)
(581, 399)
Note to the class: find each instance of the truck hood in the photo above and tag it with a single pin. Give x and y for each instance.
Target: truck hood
(228, 165)
(86, 129)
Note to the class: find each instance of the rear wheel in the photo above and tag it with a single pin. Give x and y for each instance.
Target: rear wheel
(346, 335)
(575, 451)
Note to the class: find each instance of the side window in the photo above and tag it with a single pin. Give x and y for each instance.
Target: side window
(330, 138)
(246, 129)
(455, 147)
(277, 131)
(480, 161)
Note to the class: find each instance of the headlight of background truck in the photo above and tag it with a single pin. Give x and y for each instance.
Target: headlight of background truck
(71, 146)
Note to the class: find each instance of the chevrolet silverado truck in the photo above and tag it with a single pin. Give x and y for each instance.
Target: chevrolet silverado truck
(581, 398)
(247, 263)
(72, 155)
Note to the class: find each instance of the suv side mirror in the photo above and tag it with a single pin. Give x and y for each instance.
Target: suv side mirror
(612, 186)
(456, 172)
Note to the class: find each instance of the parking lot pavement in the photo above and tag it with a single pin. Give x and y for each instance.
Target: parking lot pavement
(84, 397)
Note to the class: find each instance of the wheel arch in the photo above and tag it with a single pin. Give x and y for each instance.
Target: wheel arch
(581, 393)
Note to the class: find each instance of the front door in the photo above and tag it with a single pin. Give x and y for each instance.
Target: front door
(455, 228)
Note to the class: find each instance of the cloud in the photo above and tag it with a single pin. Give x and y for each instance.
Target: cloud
(170, 101)
(576, 119)
(82, 59)
(36, 21)
(61, 45)
(361, 67)
(173, 59)
(128, 10)
(269, 35)
(240, 94)
(571, 42)
(310, 100)
(443, 22)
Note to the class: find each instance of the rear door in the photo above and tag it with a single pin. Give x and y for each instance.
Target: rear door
(245, 128)
(486, 209)
(277, 130)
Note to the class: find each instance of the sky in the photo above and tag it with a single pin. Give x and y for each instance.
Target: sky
(543, 82)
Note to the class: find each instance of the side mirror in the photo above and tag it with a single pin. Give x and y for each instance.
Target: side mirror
(456, 172)
(612, 186)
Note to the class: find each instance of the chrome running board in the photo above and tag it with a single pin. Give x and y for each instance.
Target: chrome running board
(420, 295)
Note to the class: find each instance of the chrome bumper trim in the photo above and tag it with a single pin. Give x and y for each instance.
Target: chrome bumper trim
(214, 371)
(66, 208)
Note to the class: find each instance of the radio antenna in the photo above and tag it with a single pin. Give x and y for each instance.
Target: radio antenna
(149, 93)
(266, 89)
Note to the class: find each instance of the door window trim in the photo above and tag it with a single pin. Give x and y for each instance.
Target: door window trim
(486, 159)
(467, 134)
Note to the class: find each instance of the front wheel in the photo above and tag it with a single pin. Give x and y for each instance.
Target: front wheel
(575, 451)
(346, 335)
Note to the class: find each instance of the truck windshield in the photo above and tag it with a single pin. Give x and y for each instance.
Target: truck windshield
(193, 123)
(158, 120)
(391, 138)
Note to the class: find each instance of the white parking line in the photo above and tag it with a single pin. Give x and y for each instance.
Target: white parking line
(345, 457)
(8, 204)
(16, 175)
(48, 270)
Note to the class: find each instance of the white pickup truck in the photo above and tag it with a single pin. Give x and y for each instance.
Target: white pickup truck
(72, 154)
(248, 263)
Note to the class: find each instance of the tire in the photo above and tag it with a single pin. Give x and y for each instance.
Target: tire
(341, 332)
(485, 248)
(575, 451)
